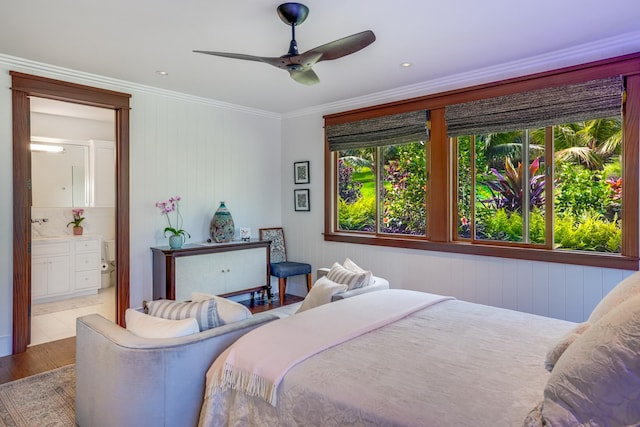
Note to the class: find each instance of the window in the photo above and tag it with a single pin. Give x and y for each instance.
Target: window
(382, 189)
(585, 197)
(543, 167)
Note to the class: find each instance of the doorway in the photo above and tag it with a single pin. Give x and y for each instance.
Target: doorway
(72, 168)
(23, 87)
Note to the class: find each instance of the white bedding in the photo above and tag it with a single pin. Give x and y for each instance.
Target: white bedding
(258, 361)
(451, 364)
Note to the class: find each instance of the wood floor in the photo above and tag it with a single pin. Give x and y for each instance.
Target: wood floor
(52, 355)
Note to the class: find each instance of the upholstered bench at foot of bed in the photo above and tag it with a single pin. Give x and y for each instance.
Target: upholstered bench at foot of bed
(125, 380)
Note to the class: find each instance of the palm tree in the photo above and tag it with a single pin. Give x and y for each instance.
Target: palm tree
(499, 146)
(591, 143)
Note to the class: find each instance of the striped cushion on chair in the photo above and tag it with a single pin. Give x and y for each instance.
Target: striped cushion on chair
(205, 312)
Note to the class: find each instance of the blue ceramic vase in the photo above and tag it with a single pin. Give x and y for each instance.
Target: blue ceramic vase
(222, 227)
(176, 241)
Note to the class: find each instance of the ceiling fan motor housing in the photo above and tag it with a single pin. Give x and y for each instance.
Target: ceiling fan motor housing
(293, 13)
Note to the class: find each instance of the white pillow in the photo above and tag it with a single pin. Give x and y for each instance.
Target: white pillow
(147, 326)
(561, 346)
(321, 293)
(624, 290)
(228, 310)
(597, 379)
(350, 265)
(344, 276)
(205, 312)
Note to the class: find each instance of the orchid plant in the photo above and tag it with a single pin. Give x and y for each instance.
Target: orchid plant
(172, 205)
(77, 217)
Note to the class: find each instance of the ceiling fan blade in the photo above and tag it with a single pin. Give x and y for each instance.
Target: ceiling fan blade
(306, 77)
(276, 62)
(344, 46)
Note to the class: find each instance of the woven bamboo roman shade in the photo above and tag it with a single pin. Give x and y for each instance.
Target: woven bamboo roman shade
(537, 108)
(386, 130)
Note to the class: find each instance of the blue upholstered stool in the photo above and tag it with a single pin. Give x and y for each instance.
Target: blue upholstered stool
(278, 265)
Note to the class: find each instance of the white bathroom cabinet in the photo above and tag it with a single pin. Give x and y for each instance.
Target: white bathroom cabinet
(50, 269)
(64, 267)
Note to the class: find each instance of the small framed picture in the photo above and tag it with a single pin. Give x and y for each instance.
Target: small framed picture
(301, 200)
(245, 233)
(301, 172)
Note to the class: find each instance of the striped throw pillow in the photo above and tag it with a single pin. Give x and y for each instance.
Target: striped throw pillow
(205, 312)
(350, 265)
(342, 275)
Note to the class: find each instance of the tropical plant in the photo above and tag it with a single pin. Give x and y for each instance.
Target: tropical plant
(579, 190)
(348, 190)
(403, 192)
(498, 146)
(589, 231)
(507, 188)
(172, 205)
(502, 225)
(591, 143)
(357, 216)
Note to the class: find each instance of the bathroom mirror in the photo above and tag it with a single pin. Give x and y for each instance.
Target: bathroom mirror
(60, 179)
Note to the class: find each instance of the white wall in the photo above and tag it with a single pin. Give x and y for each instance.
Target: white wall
(550, 289)
(202, 150)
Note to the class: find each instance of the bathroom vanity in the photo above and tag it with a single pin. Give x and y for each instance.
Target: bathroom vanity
(64, 267)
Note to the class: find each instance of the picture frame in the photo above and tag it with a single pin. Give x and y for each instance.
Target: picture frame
(301, 201)
(301, 172)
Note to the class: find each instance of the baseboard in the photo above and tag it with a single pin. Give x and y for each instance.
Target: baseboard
(6, 345)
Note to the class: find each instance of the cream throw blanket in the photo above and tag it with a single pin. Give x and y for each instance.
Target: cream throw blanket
(258, 361)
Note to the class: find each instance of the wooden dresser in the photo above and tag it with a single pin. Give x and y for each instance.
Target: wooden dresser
(223, 269)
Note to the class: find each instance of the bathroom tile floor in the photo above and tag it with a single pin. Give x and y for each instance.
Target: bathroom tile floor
(57, 320)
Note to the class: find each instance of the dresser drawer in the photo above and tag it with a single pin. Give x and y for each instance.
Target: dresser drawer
(86, 245)
(87, 279)
(49, 248)
(88, 261)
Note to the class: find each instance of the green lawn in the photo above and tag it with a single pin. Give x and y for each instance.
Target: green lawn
(368, 180)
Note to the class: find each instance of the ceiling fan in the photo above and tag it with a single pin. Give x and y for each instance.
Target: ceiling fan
(300, 65)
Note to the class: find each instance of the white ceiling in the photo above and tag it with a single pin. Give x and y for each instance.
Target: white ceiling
(131, 40)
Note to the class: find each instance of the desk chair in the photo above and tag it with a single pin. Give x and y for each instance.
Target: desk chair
(278, 264)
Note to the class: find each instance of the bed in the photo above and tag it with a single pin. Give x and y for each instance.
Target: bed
(442, 362)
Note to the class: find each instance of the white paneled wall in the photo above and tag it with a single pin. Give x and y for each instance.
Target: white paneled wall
(549, 289)
(205, 154)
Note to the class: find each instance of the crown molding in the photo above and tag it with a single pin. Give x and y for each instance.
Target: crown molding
(602, 49)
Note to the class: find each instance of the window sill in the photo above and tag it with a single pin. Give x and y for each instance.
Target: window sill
(594, 259)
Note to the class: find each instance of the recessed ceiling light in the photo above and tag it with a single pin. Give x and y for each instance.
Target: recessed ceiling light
(162, 73)
(406, 64)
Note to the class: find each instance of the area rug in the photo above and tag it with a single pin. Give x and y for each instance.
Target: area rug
(46, 399)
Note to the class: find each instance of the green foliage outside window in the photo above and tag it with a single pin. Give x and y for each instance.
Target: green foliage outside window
(402, 171)
(404, 189)
(587, 189)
